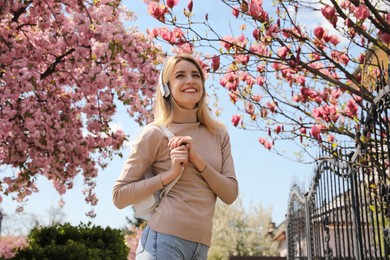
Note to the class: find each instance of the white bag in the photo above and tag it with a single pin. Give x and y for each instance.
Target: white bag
(145, 208)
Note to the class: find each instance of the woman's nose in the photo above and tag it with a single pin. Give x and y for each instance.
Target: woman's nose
(190, 79)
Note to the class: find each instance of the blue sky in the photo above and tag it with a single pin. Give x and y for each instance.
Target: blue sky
(263, 176)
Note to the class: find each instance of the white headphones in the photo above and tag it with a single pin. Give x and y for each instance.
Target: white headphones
(163, 87)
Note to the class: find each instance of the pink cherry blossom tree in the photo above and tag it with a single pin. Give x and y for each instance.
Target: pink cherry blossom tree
(9, 244)
(297, 70)
(64, 66)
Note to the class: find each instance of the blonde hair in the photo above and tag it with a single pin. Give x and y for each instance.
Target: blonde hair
(163, 108)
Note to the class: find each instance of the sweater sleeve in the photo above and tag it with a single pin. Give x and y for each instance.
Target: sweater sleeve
(131, 185)
(223, 183)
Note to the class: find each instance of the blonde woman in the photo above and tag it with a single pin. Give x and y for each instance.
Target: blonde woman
(181, 225)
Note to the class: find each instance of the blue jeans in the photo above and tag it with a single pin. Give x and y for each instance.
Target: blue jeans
(158, 246)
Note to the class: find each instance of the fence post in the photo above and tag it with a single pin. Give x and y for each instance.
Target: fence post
(356, 214)
(308, 229)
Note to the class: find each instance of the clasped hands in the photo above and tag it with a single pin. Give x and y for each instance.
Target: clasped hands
(182, 151)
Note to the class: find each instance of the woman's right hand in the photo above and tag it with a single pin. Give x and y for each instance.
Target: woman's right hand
(179, 156)
(179, 159)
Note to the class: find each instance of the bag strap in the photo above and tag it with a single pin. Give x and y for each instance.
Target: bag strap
(167, 132)
(170, 135)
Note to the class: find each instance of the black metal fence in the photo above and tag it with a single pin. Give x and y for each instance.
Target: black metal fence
(346, 212)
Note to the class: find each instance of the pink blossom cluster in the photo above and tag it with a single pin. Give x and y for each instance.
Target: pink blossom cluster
(175, 37)
(132, 241)
(360, 12)
(8, 245)
(267, 144)
(253, 8)
(313, 67)
(63, 67)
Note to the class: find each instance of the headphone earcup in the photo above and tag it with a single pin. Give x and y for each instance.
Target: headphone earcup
(166, 91)
(163, 87)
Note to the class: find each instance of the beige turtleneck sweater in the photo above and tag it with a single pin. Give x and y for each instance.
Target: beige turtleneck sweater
(188, 209)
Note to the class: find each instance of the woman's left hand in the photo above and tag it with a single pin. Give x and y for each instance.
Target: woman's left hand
(193, 156)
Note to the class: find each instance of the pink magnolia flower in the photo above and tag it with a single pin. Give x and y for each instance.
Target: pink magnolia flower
(268, 145)
(153, 32)
(301, 79)
(260, 49)
(318, 113)
(256, 97)
(240, 40)
(319, 32)
(358, 99)
(262, 140)
(264, 112)
(336, 93)
(278, 129)
(229, 81)
(247, 78)
(385, 37)
(236, 11)
(178, 33)
(172, 3)
(186, 47)
(344, 4)
(216, 61)
(243, 59)
(328, 12)
(166, 34)
(344, 59)
(256, 34)
(157, 11)
(261, 68)
(190, 5)
(387, 17)
(362, 12)
(272, 107)
(249, 108)
(265, 143)
(316, 132)
(361, 58)
(233, 97)
(352, 108)
(340, 57)
(236, 120)
(227, 42)
(334, 40)
(256, 10)
(273, 30)
(282, 52)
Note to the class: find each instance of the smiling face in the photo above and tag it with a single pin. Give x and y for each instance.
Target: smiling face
(186, 84)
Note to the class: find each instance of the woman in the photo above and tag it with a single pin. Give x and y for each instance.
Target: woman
(181, 226)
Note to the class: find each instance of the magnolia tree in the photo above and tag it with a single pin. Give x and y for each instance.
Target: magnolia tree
(64, 65)
(297, 70)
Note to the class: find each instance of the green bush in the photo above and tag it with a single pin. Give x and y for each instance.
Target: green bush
(69, 242)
